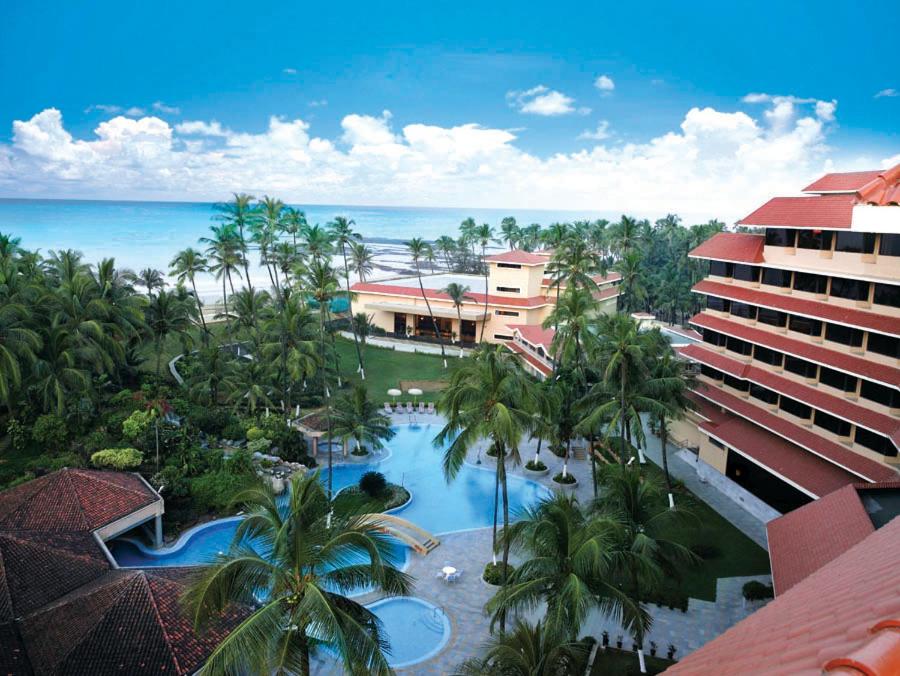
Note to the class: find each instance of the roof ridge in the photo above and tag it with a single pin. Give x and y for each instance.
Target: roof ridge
(98, 475)
(162, 625)
(52, 548)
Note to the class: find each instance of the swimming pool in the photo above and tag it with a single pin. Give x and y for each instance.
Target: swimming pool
(409, 460)
(416, 629)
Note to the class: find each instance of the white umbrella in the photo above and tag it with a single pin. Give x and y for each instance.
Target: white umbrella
(394, 392)
(414, 392)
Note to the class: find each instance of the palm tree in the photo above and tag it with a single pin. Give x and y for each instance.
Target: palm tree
(19, 345)
(510, 230)
(572, 318)
(317, 242)
(343, 235)
(247, 307)
(296, 582)
(237, 216)
(224, 257)
(632, 288)
(290, 338)
(484, 234)
(489, 397)
(635, 500)
(358, 418)
(446, 247)
(572, 561)
(361, 260)
(166, 315)
(58, 373)
(186, 265)
(526, 650)
(418, 249)
(458, 294)
(293, 224)
(150, 279)
(250, 382)
(467, 233)
(264, 226)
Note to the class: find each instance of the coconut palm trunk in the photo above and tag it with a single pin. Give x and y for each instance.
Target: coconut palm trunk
(361, 368)
(486, 290)
(437, 331)
(664, 440)
(200, 312)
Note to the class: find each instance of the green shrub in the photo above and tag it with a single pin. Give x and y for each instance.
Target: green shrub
(18, 435)
(209, 419)
(233, 431)
(567, 479)
(757, 591)
(49, 430)
(492, 451)
(50, 463)
(372, 484)
(136, 425)
(255, 433)
(260, 445)
(19, 480)
(535, 466)
(240, 463)
(493, 572)
(117, 458)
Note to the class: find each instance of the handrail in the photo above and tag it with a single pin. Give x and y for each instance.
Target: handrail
(392, 524)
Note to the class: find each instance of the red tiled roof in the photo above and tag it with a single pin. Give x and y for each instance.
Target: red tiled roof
(37, 567)
(826, 212)
(842, 408)
(706, 409)
(850, 181)
(477, 298)
(844, 361)
(870, 470)
(528, 357)
(130, 622)
(826, 616)
(608, 278)
(535, 334)
(797, 465)
(518, 256)
(804, 540)
(810, 308)
(737, 247)
(73, 500)
(882, 190)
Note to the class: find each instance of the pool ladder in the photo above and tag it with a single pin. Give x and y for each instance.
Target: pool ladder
(434, 619)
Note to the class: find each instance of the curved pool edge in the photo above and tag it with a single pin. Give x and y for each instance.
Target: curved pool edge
(182, 540)
(445, 638)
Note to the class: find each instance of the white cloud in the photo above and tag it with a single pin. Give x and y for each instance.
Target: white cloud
(598, 134)
(544, 101)
(604, 83)
(714, 164)
(318, 103)
(161, 107)
(783, 111)
(133, 111)
(200, 128)
(289, 71)
(889, 92)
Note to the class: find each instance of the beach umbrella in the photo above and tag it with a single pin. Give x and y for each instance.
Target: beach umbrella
(414, 392)
(394, 393)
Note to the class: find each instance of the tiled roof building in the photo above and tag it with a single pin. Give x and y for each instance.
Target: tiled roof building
(800, 350)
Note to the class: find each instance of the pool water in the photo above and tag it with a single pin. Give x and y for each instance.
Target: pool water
(417, 630)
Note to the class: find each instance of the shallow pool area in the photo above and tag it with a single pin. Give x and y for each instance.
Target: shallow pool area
(416, 629)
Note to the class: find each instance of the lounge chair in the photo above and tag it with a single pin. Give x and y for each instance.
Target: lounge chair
(387, 407)
(454, 577)
(431, 407)
(409, 407)
(421, 407)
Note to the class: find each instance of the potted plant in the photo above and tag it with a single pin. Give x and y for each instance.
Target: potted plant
(536, 468)
(493, 573)
(605, 639)
(567, 482)
(670, 654)
(619, 641)
(652, 648)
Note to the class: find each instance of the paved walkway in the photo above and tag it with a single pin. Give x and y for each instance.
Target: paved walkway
(464, 601)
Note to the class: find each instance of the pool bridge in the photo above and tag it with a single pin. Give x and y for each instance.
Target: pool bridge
(407, 532)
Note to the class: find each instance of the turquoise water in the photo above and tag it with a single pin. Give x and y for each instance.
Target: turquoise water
(139, 234)
(411, 461)
(422, 629)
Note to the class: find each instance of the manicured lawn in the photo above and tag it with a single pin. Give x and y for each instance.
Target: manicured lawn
(386, 368)
(612, 662)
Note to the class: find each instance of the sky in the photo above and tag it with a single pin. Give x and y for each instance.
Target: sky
(700, 108)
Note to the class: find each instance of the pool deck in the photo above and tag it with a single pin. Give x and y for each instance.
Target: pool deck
(464, 601)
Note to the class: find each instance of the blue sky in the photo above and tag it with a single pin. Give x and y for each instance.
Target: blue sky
(497, 66)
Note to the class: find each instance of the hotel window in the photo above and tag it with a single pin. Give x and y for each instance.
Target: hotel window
(509, 289)
(875, 442)
(739, 346)
(746, 273)
(851, 289)
(794, 407)
(844, 335)
(887, 294)
(780, 237)
(511, 266)
(814, 239)
(832, 424)
(737, 383)
(507, 313)
(767, 356)
(886, 345)
(776, 277)
(714, 337)
(502, 336)
(743, 310)
(716, 303)
(721, 268)
(855, 242)
(837, 379)
(810, 327)
(710, 372)
(763, 394)
(771, 317)
(880, 394)
(800, 366)
(809, 282)
(890, 245)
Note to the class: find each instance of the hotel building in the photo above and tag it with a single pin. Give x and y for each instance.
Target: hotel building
(519, 296)
(799, 366)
